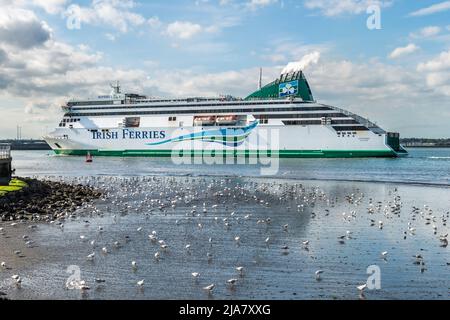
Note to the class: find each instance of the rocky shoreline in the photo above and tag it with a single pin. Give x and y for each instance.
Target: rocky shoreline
(44, 200)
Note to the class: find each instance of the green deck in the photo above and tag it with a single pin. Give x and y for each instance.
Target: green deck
(237, 153)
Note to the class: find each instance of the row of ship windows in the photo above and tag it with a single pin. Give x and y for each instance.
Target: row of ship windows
(317, 122)
(100, 103)
(260, 116)
(69, 120)
(201, 111)
(264, 119)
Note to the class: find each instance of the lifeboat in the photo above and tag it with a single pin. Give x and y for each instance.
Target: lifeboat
(227, 120)
(204, 121)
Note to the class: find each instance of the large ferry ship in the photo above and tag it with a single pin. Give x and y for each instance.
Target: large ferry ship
(123, 124)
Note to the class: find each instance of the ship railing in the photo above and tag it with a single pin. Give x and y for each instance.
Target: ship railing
(5, 151)
(362, 120)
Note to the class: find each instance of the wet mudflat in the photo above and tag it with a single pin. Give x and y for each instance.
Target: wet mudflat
(279, 231)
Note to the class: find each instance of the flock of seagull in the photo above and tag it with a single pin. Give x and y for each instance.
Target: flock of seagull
(215, 198)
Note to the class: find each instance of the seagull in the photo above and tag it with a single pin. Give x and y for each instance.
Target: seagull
(361, 288)
(91, 256)
(139, 229)
(17, 279)
(318, 273)
(232, 282)
(285, 227)
(157, 256)
(104, 250)
(134, 264)
(237, 239)
(305, 243)
(196, 275)
(384, 254)
(209, 288)
(3, 264)
(140, 283)
(240, 270)
(83, 286)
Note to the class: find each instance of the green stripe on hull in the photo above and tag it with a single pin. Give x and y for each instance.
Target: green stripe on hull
(239, 153)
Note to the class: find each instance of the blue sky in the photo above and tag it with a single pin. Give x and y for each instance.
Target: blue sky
(397, 76)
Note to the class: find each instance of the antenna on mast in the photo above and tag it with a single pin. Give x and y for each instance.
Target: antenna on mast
(116, 87)
(260, 79)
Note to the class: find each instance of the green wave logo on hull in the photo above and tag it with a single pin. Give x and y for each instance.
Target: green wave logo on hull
(231, 137)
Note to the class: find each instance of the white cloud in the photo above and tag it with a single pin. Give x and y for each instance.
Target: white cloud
(435, 8)
(112, 13)
(332, 8)
(51, 6)
(440, 63)
(183, 29)
(274, 57)
(154, 22)
(402, 51)
(427, 32)
(110, 36)
(256, 4)
(21, 28)
(437, 73)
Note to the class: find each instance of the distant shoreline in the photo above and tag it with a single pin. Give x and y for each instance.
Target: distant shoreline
(27, 144)
(427, 147)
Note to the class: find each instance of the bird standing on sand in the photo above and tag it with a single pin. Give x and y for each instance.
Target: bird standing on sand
(240, 269)
(195, 275)
(232, 282)
(318, 273)
(17, 280)
(209, 288)
(362, 287)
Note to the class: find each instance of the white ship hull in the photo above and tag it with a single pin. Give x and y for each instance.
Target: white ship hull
(287, 141)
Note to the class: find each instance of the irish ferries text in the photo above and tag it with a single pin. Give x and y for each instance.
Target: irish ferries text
(127, 134)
